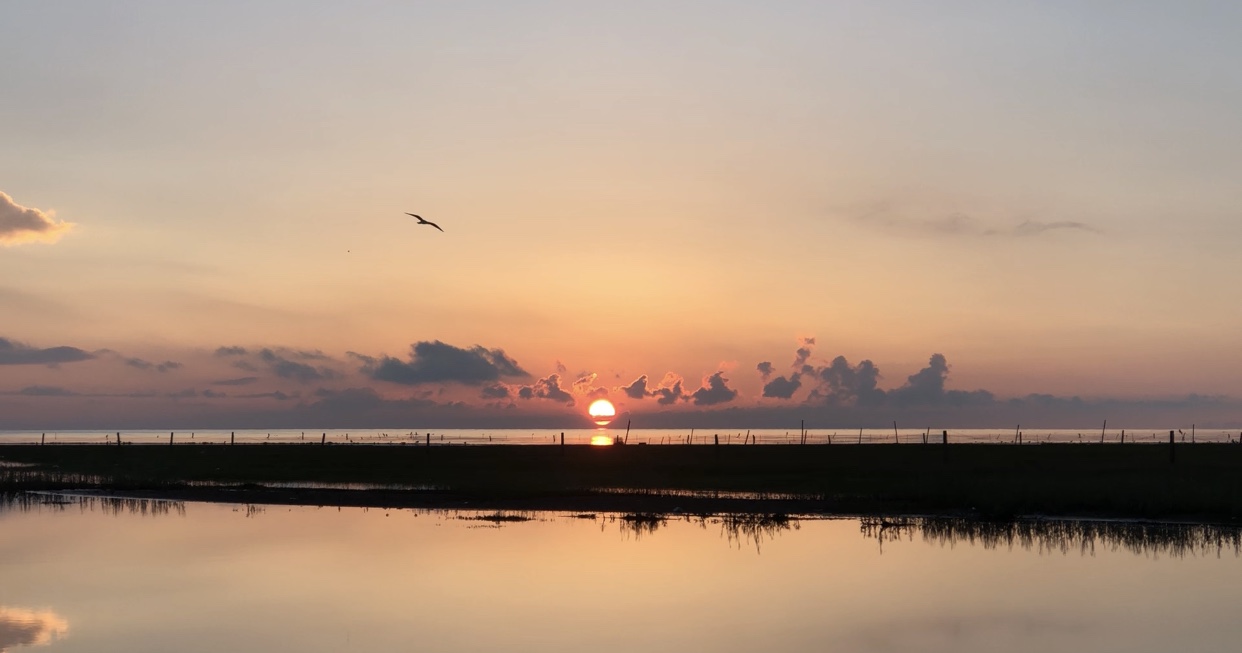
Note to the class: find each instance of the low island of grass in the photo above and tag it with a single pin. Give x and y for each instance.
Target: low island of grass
(1193, 482)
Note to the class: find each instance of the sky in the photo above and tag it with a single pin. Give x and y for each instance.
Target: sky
(968, 212)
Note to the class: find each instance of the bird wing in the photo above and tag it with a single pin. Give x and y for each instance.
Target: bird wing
(433, 224)
(415, 216)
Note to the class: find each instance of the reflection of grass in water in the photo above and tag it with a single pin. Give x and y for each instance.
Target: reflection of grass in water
(741, 528)
(1046, 535)
(51, 501)
(498, 517)
(738, 528)
(642, 523)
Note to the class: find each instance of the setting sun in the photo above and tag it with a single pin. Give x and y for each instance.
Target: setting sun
(602, 411)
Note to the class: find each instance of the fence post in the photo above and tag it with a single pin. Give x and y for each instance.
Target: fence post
(1172, 448)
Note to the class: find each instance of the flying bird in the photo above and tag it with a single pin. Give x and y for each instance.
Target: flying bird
(422, 221)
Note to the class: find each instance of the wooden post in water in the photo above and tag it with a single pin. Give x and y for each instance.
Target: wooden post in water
(1123, 436)
(896, 438)
(118, 438)
(232, 438)
(170, 438)
(716, 448)
(323, 440)
(944, 447)
(1102, 431)
(1192, 433)
(1172, 448)
(627, 432)
(43, 440)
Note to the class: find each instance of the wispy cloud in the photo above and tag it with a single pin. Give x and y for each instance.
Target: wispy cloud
(962, 224)
(20, 224)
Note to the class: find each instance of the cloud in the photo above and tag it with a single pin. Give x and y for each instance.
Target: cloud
(927, 387)
(714, 391)
(279, 396)
(547, 388)
(497, 391)
(961, 224)
(213, 394)
(148, 365)
(19, 628)
(289, 369)
(20, 225)
(783, 388)
(16, 353)
(670, 391)
(437, 362)
(1033, 228)
(245, 380)
(765, 369)
(46, 391)
(231, 351)
(637, 389)
(803, 353)
(585, 386)
(841, 384)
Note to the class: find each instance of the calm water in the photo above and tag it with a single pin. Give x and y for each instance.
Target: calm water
(438, 437)
(137, 576)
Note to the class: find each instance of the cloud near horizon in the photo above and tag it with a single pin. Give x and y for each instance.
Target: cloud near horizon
(439, 362)
(715, 390)
(294, 383)
(20, 225)
(17, 353)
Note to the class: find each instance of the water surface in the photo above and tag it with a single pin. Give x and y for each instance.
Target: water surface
(134, 576)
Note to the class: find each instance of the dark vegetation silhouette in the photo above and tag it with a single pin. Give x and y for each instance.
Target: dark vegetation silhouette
(1201, 483)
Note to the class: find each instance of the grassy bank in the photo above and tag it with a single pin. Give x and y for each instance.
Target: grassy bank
(1137, 481)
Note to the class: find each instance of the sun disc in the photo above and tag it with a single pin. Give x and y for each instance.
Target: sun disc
(602, 408)
(602, 411)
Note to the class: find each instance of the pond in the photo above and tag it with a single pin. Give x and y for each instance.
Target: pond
(98, 575)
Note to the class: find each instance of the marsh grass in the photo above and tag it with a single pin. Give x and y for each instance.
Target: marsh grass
(1204, 484)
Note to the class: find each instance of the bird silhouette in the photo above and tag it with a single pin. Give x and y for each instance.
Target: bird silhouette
(422, 221)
